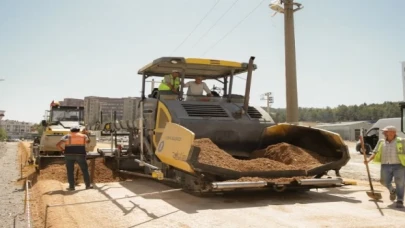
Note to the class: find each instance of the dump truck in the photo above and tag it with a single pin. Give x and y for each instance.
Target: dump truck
(168, 123)
(58, 124)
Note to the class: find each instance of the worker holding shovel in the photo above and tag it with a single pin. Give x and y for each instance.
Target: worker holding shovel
(390, 152)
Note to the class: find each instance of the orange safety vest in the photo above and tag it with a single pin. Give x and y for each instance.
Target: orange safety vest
(75, 144)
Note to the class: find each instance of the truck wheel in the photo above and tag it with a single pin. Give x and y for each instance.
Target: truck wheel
(367, 147)
(358, 146)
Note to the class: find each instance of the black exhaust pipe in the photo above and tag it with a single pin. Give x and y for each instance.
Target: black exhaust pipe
(248, 84)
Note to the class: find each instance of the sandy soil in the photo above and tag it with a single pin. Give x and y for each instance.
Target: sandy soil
(53, 177)
(356, 169)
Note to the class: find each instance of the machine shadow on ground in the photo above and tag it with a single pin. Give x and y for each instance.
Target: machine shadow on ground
(192, 204)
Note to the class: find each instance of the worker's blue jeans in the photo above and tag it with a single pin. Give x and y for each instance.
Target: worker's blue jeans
(70, 167)
(397, 172)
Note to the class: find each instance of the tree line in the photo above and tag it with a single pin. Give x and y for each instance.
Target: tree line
(367, 112)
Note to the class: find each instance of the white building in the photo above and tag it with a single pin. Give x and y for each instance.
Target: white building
(130, 108)
(17, 129)
(125, 108)
(72, 102)
(347, 130)
(94, 105)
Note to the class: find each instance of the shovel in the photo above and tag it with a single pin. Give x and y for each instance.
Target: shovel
(372, 194)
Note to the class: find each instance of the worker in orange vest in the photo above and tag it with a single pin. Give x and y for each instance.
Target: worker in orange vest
(75, 151)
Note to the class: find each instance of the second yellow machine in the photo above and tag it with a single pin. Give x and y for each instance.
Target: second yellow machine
(58, 124)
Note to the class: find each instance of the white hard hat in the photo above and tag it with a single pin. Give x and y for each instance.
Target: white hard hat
(389, 128)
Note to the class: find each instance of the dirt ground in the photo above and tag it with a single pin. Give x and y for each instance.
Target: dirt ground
(356, 169)
(100, 207)
(344, 207)
(55, 175)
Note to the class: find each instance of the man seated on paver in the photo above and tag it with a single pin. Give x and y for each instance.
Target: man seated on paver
(196, 88)
(171, 82)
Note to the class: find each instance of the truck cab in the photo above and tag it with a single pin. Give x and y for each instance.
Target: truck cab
(374, 134)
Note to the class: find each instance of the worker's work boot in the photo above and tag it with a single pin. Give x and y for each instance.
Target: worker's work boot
(393, 195)
(89, 187)
(400, 204)
(70, 189)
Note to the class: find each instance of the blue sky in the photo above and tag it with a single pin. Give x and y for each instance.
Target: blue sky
(348, 52)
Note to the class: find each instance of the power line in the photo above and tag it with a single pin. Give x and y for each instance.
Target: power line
(233, 28)
(233, 4)
(195, 27)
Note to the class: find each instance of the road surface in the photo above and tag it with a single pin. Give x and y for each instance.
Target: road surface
(344, 207)
(356, 169)
(11, 193)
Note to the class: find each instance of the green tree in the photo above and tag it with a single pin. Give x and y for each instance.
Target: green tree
(3, 134)
(38, 128)
(367, 112)
(342, 113)
(328, 115)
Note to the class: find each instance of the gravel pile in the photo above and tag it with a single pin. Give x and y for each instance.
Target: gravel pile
(211, 154)
(292, 155)
(281, 156)
(102, 173)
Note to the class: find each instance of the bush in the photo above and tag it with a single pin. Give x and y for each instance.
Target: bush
(3, 134)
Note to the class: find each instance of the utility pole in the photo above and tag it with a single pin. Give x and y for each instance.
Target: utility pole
(403, 78)
(268, 97)
(290, 64)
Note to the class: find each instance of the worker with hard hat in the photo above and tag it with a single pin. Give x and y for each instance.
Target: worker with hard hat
(75, 151)
(390, 152)
(171, 82)
(196, 87)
